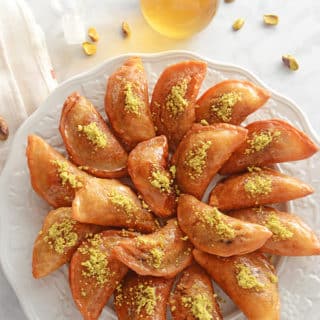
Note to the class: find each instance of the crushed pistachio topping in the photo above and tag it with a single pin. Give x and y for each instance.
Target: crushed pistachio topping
(200, 306)
(214, 219)
(273, 278)
(176, 102)
(133, 103)
(121, 201)
(83, 293)
(94, 134)
(246, 279)
(196, 159)
(161, 181)
(204, 122)
(222, 106)
(258, 184)
(261, 140)
(61, 236)
(119, 295)
(279, 230)
(65, 175)
(96, 266)
(145, 299)
(173, 170)
(155, 258)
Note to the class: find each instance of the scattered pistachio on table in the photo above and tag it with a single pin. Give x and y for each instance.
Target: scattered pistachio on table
(238, 24)
(89, 48)
(228, 1)
(4, 129)
(126, 31)
(93, 34)
(271, 19)
(291, 62)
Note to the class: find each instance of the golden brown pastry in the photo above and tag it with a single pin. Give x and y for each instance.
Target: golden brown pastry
(94, 273)
(249, 280)
(291, 236)
(89, 141)
(193, 297)
(148, 169)
(53, 177)
(142, 297)
(58, 240)
(163, 253)
(174, 97)
(127, 103)
(202, 152)
(230, 101)
(108, 202)
(214, 232)
(260, 186)
(268, 142)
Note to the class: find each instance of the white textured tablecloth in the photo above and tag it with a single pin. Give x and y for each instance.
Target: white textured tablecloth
(255, 47)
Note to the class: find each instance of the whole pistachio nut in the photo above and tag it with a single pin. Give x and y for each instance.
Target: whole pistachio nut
(126, 31)
(238, 24)
(93, 34)
(4, 129)
(290, 61)
(89, 48)
(271, 19)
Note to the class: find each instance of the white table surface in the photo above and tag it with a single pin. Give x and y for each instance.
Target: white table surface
(255, 47)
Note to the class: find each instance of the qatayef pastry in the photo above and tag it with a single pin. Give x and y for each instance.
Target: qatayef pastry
(163, 253)
(230, 101)
(290, 235)
(142, 297)
(148, 169)
(53, 177)
(174, 97)
(256, 187)
(193, 297)
(268, 142)
(127, 103)
(89, 141)
(108, 202)
(94, 273)
(202, 152)
(214, 232)
(58, 240)
(249, 280)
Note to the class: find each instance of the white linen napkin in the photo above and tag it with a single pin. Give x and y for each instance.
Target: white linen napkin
(26, 73)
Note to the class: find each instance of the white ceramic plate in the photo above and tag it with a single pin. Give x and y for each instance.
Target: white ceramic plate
(22, 211)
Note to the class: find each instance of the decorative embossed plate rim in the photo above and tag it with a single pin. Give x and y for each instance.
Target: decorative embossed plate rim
(21, 211)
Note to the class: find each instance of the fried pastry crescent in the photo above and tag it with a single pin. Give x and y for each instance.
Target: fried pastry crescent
(268, 142)
(89, 141)
(249, 280)
(202, 152)
(53, 177)
(94, 273)
(57, 241)
(108, 202)
(291, 236)
(174, 97)
(230, 101)
(260, 186)
(148, 169)
(142, 297)
(163, 253)
(193, 297)
(127, 103)
(214, 232)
